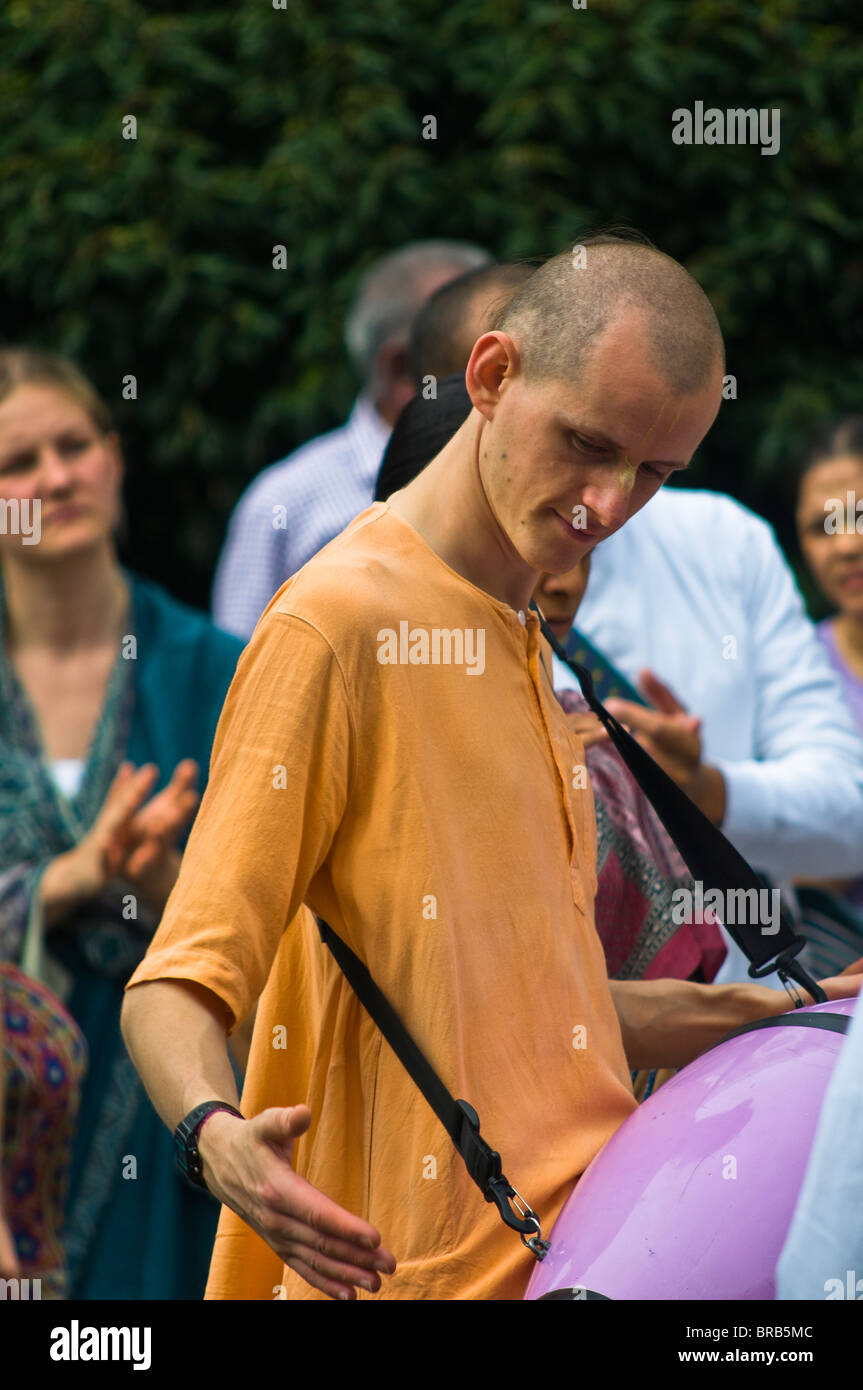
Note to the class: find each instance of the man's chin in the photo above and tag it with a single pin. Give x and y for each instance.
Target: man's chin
(563, 559)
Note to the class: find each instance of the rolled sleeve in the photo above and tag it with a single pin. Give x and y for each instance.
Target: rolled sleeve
(277, 790)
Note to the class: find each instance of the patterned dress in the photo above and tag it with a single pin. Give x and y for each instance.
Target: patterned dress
(43, 1061)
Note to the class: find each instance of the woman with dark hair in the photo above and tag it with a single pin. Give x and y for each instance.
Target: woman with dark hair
(829, 514)
(109, 695)
(830, 531)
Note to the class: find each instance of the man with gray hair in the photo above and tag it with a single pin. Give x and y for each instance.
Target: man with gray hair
(297, 505)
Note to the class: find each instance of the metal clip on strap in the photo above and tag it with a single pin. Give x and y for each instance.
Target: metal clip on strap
(483, 1165)
(788, 968)
(458, 1118)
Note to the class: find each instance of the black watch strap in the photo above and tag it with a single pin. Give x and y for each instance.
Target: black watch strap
(186, 1138)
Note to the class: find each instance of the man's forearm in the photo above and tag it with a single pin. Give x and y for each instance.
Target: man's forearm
(707, 790)
(176, 1035)
(666, 1023)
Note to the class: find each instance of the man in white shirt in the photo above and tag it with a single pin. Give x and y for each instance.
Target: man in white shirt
(293, 508)
(697, 591)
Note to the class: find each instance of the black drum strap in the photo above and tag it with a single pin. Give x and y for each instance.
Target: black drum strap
(458, 1118)
(709, 856)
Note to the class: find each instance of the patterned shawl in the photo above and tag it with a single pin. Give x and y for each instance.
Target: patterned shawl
(638, 869)
(37, 822)
(162, 704)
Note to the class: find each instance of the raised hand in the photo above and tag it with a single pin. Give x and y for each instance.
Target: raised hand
(100, 855)
(154, 828)
(672, 737)
(669, 732)
(128, 840)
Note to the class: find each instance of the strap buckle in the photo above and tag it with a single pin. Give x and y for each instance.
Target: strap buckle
(484, 1166)
(524, 1219)
(788, 968)
(791, 989)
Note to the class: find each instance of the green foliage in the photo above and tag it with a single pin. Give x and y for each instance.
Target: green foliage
(302, 126)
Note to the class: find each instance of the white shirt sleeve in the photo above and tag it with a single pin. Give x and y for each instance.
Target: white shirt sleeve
(796, 807)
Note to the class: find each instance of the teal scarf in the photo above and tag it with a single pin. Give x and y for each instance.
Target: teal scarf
(607, 680)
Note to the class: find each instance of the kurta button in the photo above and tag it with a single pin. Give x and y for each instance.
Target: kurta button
(522, 619)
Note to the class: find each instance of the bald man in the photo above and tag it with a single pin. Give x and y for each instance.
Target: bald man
(392, 757)
(697, 596)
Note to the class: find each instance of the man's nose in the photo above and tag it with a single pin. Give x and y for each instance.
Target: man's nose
(608, 499)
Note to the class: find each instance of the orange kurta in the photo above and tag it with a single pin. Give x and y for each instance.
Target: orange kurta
(433, 814)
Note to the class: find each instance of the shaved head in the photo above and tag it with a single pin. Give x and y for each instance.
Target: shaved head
(596, 383)
(557, 315)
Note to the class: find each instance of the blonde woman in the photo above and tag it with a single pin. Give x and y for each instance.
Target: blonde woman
(110, 691)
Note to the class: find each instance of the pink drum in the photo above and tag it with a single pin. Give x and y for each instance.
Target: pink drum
(693, 1196)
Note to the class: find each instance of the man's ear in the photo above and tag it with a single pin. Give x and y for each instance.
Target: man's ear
(494, 361)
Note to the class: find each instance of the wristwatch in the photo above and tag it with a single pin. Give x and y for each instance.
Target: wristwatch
(186, 1139)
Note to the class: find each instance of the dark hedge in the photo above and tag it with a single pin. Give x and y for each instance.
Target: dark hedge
(302, 126)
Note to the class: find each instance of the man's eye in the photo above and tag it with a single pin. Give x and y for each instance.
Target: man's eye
(585, 446)
(653, 472)
(73, 446)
